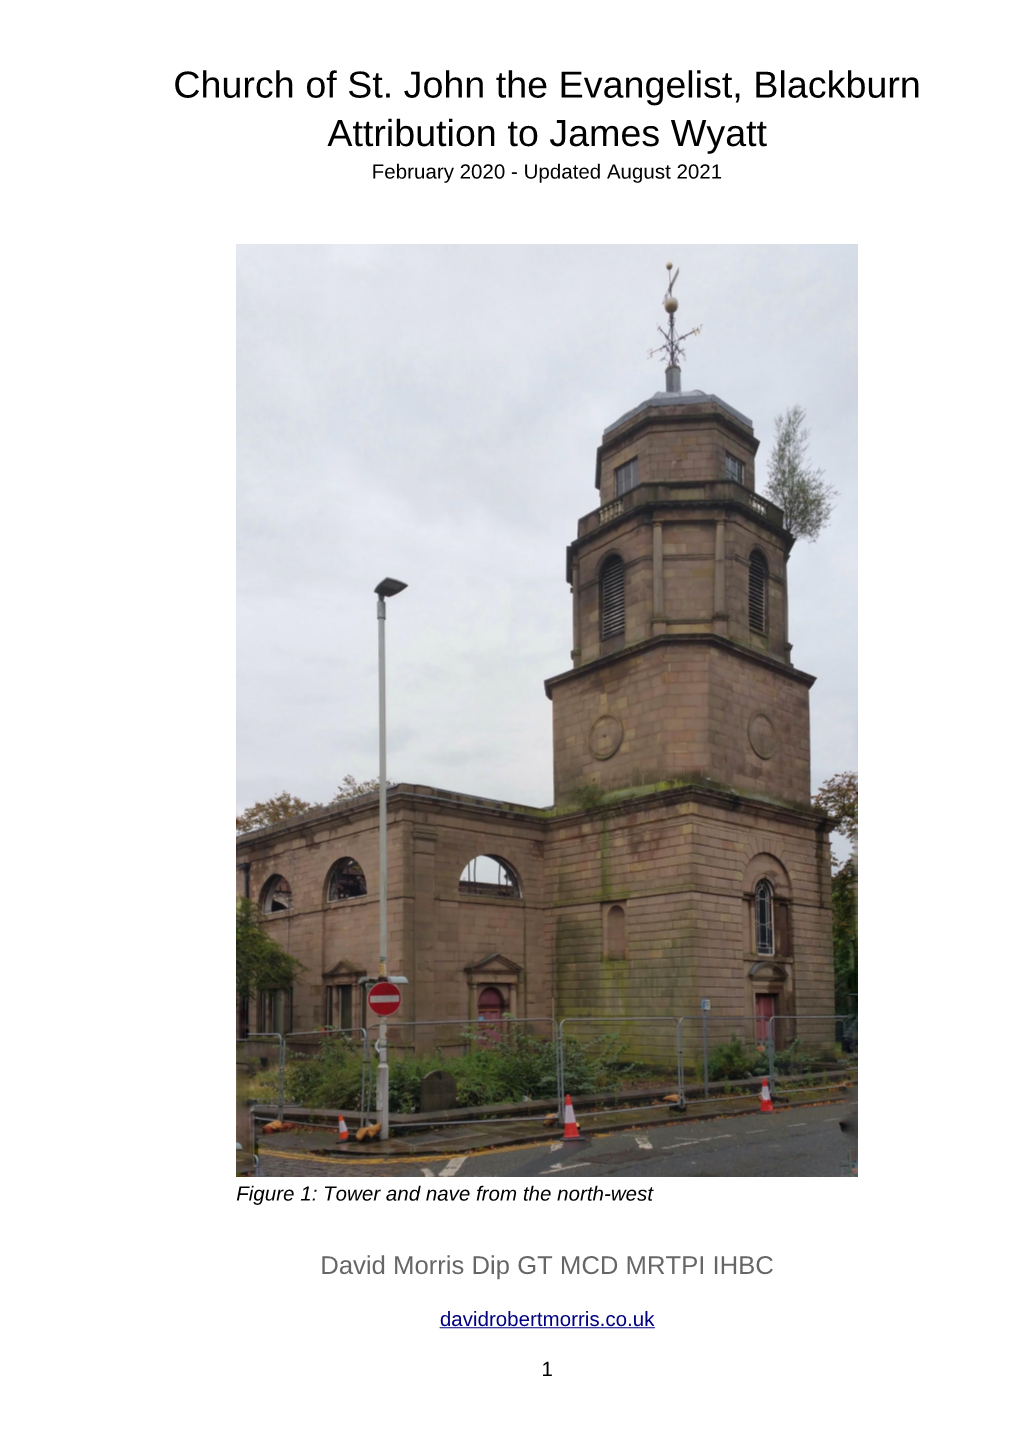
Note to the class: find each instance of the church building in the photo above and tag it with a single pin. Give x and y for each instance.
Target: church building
(680, 859)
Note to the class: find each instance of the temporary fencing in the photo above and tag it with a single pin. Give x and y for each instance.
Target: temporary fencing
(711, 1053)
(458, 1036)
(652, 1027)
(803, 1050)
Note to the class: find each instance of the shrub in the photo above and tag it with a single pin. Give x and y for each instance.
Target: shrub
(509, 1069)
(734, 1060)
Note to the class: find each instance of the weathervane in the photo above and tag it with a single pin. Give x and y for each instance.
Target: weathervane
(673, 347)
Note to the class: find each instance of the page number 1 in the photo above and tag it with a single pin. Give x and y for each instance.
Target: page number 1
(546, 1373)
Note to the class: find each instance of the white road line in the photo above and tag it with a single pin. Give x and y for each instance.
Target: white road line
(556, 1147)
(573, 1166)
(453, 1166)
(642, 1141)
(790, 1125)
(720, 1136)
(426, 1173)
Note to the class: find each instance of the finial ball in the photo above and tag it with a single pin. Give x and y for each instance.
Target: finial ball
(670, 305)
(669, 265)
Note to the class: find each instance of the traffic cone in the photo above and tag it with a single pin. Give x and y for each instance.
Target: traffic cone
(341, 1128)
(570, 1132)
(766, 1099)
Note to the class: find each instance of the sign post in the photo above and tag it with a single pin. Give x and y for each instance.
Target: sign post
(383, 999)
(386, 587)
(706, 1007)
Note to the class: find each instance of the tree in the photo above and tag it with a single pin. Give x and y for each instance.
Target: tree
(262, 964)
(349, 787)
(795, 485)
(277, 808)
(283, 806)
(838, 796)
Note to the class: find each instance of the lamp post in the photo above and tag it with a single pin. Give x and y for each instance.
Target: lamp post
(386, 587)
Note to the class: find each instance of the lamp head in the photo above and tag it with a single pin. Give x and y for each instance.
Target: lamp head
(390, 587)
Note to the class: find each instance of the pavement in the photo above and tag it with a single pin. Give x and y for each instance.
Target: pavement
(479, 1135)
(801, 1141)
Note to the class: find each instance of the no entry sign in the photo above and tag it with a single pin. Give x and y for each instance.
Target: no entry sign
(384, 998)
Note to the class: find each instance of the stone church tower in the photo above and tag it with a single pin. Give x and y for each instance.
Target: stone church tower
(683, 729)
(681, 858)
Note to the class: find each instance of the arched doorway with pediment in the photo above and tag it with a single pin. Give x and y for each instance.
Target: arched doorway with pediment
(494, 990)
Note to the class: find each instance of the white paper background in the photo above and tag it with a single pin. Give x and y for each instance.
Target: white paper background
(151, 1303)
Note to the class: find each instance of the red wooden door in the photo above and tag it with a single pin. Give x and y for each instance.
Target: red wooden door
(491, 1006)
(764, 1011)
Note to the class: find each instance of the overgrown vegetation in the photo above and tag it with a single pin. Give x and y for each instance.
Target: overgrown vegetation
(793, 483)
(838, 796)
(262, 964)
(587, 795)
(738, 1060)
(513, 1069)
(283, 806)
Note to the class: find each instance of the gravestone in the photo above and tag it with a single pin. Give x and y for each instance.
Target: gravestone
(438, 1092)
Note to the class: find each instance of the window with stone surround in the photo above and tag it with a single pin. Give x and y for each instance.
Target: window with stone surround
(612, 612)
(734, 469)
(764, 931)
(276, 896)
(626, 476)
(757, 593)
(345, 879)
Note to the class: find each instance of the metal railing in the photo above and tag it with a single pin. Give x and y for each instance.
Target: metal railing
(761, 1032)
(610, 1023)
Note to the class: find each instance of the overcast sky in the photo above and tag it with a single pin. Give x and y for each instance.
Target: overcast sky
(432, 413)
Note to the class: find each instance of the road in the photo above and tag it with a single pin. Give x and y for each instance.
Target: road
(802, 1142)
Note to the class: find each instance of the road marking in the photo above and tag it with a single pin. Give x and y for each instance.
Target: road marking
(642, 1140)
(453, 1166)
(791, 1125)
(556, 1147)
(719, 1136)
(572, 1167)
(426, 1173)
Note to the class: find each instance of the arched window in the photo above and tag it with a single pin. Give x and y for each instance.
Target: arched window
(757, 593)
(489, 876)
(616, 931)
(276, 895)
(764, 934)
(345, 879)
(612, 615)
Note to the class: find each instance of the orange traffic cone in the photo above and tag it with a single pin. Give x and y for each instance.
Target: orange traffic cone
(570, 1132)
(766, 1099)
(341, 1128)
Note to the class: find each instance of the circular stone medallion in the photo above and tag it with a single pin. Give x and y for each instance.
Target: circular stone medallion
(605, 737)
(762, 735)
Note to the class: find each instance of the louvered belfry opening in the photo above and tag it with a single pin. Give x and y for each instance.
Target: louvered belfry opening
(756, 592)
(613, 616)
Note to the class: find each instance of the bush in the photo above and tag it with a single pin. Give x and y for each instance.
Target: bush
(734, 1060)
(511, 1069)
(794, 1058)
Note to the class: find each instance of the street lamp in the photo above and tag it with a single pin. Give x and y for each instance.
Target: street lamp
(387, 587)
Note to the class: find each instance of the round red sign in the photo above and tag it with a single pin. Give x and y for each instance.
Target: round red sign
(384, 998)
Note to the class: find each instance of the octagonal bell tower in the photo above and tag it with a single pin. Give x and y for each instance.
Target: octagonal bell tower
(681, 655)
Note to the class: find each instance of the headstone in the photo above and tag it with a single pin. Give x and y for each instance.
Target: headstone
(438, 1092)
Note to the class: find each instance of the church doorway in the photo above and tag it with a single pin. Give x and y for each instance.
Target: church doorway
(764, 1011)
(492, 1007)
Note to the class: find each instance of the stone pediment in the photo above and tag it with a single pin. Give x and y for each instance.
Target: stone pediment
(769, 970)
(492, 964)
(342, 972)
